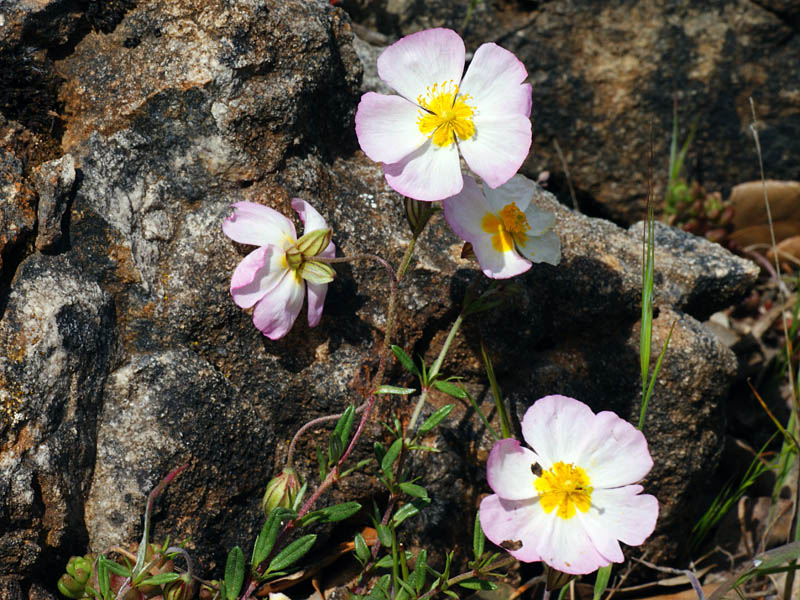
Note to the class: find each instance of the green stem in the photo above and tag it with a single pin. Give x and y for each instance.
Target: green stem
(437, 364)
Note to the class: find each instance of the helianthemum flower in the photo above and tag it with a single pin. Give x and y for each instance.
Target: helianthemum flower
(571, 500)
(418, 134)
(506, 230)
(274, 276)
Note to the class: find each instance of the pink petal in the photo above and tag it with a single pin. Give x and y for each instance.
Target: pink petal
(565, 545)
(498, 148)
(421, 59)
(429, 173)
(316, 300)
(256, 274)
(464, 211)
(519, 190)
(512, 521)
(620, 514)
(545, 248)
(554, 426)
(498, 265)
(508, 471)
(611, 451)
(257, 225)
(275, 314)
(312, 220)
(387, 128)
(494, 81)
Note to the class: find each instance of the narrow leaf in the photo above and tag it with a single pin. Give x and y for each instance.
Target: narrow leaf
(601, 582)
(384, 535)
(417, 491)
(161, 579)
(409, 510)
(436, 418)
(292, 553)
(473, 583)
(269, 533)
(451, 389)
(234, 573)
(393, 389)
(391, 455)
(478, 539)
(361, 548)
(405, 360)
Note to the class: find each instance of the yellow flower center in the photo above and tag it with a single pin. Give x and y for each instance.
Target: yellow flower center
(445, 114)
(566, 488)
(507, 228)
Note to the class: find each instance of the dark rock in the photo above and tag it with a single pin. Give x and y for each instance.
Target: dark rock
(17, 198)
(54, 181)
(57, 336)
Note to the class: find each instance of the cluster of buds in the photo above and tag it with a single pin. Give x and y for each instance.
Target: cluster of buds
(692, 209)
(81, 580)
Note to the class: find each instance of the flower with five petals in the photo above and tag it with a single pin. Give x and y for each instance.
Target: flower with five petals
(418, 135)
(274, 277)
(572, 499)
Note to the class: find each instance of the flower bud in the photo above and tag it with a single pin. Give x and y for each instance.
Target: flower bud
(556, 579)
(417, 214)
(180, 589)
(281, 491)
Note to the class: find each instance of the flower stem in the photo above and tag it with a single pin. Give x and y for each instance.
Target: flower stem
(437, 364)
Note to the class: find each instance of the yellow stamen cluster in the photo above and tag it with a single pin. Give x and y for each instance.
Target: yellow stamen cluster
(507, 228)
(564, 488)
(445, 114)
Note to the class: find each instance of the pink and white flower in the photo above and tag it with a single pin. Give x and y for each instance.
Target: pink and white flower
(506, 230)
(418, 134)
(570, 500)
(274, 277)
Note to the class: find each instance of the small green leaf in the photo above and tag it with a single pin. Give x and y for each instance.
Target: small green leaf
(451, 389)
(161, 579)
(436, 418)
(335, 449)
(323, 469)
(344, 425)
(361, 549)
(393, 389)
(117, 568)
(269, 533)
(292, 553)
(331, 514)
(381, 589)
(478, 538)
(417, 491)
(385, 562)
(380, 451)
(405, 360)
(473, 583)
(420, 570)
(384, 535)
(409, 510)
(390, 457)
(234, 573)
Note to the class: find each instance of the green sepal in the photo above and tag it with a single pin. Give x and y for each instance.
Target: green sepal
(316, 272)
(294, 258)
(314, 242)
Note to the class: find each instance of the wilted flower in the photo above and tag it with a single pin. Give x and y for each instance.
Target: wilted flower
(507, 232)
(570, 501)
(274, 277)
(418, 134)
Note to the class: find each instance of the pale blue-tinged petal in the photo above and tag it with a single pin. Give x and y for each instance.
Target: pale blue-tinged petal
(496, 264)
(544, 248)
(519, 190)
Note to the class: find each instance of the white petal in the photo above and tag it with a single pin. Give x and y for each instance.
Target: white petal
(566, 546)
(519, 190)
(620, 514)
(258, 225)
(257, 274)
(554, 426)
(465, 211)
(275, 314)
(498, 148)
(515, 522)
(508, 470)
(386, 127)
(539, 220)
(612, 451)
(494, 81)
(429, 173)
(498, 265)
(421, 59)
(545, 248)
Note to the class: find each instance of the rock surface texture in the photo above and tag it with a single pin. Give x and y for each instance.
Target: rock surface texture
(122, 355)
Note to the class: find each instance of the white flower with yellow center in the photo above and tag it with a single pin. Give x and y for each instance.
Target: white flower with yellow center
(506, 230)
(418, 135)
(571, 500)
